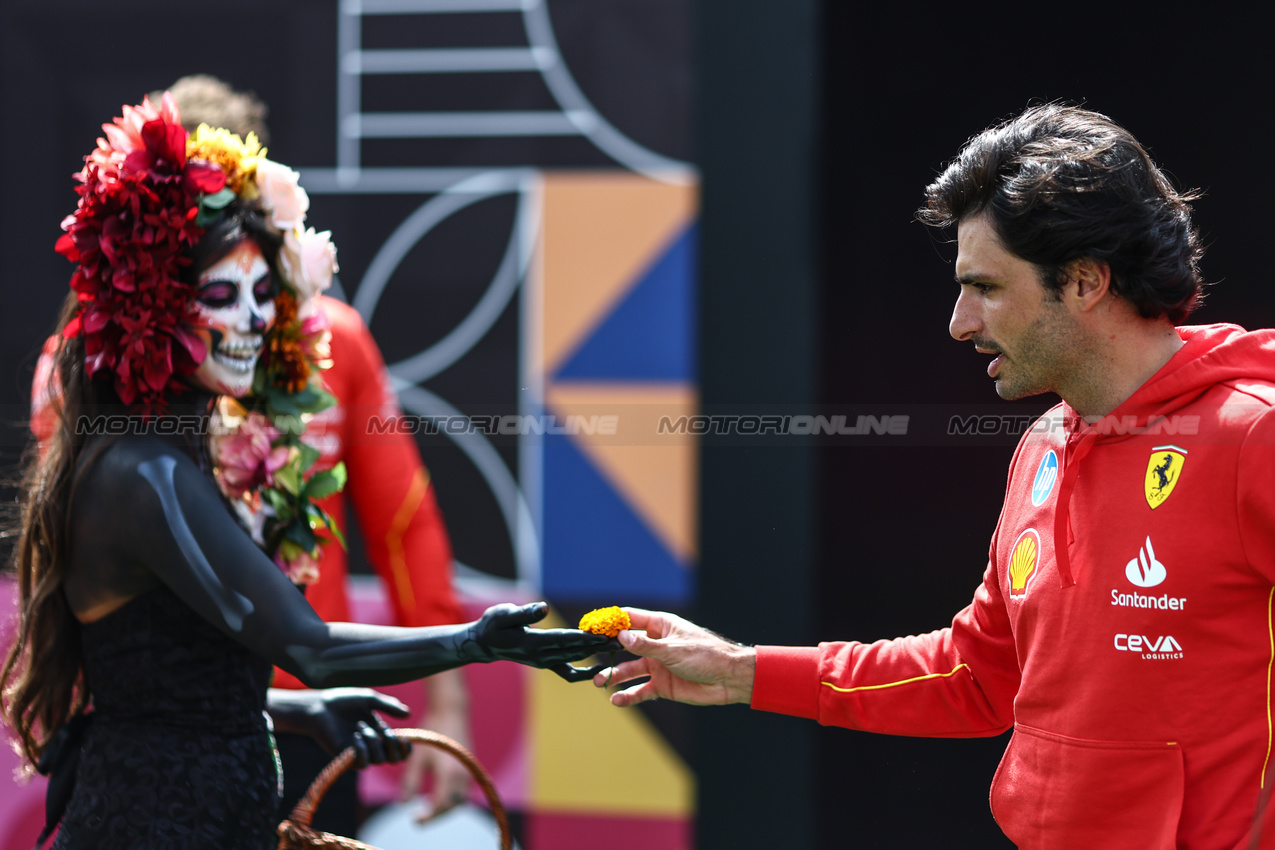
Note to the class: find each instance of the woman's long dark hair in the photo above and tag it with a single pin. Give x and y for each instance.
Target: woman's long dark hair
(42, 678)
(42, 675)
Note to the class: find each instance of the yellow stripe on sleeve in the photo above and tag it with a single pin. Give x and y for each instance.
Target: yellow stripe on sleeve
(1270, 631)
(953, 672)
(394, 538)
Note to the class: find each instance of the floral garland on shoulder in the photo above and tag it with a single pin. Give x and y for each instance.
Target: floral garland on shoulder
(147, 192)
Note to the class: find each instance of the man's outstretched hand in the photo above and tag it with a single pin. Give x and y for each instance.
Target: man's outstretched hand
(685, 663)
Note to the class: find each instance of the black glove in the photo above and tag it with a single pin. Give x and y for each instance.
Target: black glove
(501, 634)
(342, 717)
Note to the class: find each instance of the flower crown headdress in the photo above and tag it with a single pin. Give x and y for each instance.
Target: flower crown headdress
(146, 194)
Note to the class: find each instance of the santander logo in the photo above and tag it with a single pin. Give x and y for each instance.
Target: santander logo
(1145, 570)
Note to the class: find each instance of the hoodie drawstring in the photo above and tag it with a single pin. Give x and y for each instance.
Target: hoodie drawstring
(1072, 455)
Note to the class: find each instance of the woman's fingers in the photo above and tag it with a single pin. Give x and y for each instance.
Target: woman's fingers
(372, 741)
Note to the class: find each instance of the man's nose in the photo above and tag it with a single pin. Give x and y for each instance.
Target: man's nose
(965, 322)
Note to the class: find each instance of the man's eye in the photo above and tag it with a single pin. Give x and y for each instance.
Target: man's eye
(217, 294)
(982, 288)
(265, 289)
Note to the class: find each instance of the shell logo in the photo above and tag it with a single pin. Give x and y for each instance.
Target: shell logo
(1023, 561)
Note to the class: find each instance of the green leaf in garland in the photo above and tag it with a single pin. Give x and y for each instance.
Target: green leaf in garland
(311, 399)
(282, 404)
(259, 379)
(336, 531)
(289, 424)
(322, 485)
(219, 200)
(278, 502)
(289, 550)
(322, 399)
(289, 476)
(300, 534)
(210, 207)
(309, 454)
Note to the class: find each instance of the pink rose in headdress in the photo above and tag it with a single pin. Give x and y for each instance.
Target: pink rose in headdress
(246, 458)
(315, 336)
(281, 194)
(309, 261)
(302, 568)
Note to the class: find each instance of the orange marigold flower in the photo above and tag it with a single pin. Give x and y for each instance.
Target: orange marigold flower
(605, 621)
(288, 365)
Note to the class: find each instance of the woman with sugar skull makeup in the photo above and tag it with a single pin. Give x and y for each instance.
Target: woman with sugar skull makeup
(149, 613)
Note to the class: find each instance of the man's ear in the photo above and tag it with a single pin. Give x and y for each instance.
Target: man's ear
(1088, 282)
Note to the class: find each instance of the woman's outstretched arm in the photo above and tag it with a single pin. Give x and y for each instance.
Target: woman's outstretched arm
(168, 517)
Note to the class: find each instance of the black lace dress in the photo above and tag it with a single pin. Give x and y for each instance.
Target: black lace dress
(178, 755)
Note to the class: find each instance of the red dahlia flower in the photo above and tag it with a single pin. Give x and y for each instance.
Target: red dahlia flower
(132, 226)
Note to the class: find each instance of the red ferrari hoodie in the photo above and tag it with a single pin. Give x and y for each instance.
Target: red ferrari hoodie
(1123, 628)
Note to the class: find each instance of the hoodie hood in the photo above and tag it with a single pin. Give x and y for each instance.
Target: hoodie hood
(1213, 354)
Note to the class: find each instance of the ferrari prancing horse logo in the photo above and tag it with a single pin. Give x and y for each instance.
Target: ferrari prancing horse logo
(1163, 471)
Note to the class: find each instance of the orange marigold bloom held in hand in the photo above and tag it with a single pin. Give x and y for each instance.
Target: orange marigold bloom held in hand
(605, 621)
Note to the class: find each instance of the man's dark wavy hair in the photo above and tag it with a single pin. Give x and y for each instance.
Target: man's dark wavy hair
(1060, 183)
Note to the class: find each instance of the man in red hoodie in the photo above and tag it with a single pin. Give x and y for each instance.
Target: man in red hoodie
(1124, 625)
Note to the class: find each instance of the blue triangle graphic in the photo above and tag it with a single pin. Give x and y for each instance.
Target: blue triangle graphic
(594, 546)
(650, 335)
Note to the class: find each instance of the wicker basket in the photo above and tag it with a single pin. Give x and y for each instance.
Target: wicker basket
(295, 833)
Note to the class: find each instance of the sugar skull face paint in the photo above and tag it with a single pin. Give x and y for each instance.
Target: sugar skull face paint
(234, 307)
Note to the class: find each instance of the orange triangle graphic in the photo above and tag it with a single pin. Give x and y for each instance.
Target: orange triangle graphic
(600, 231)
(656, 474)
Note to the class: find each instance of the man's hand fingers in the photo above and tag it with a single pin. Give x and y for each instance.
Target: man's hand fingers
(644, 692)
(413, 776)
(443, 800)
(639, 642)
(647, 621)
(621, 673)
